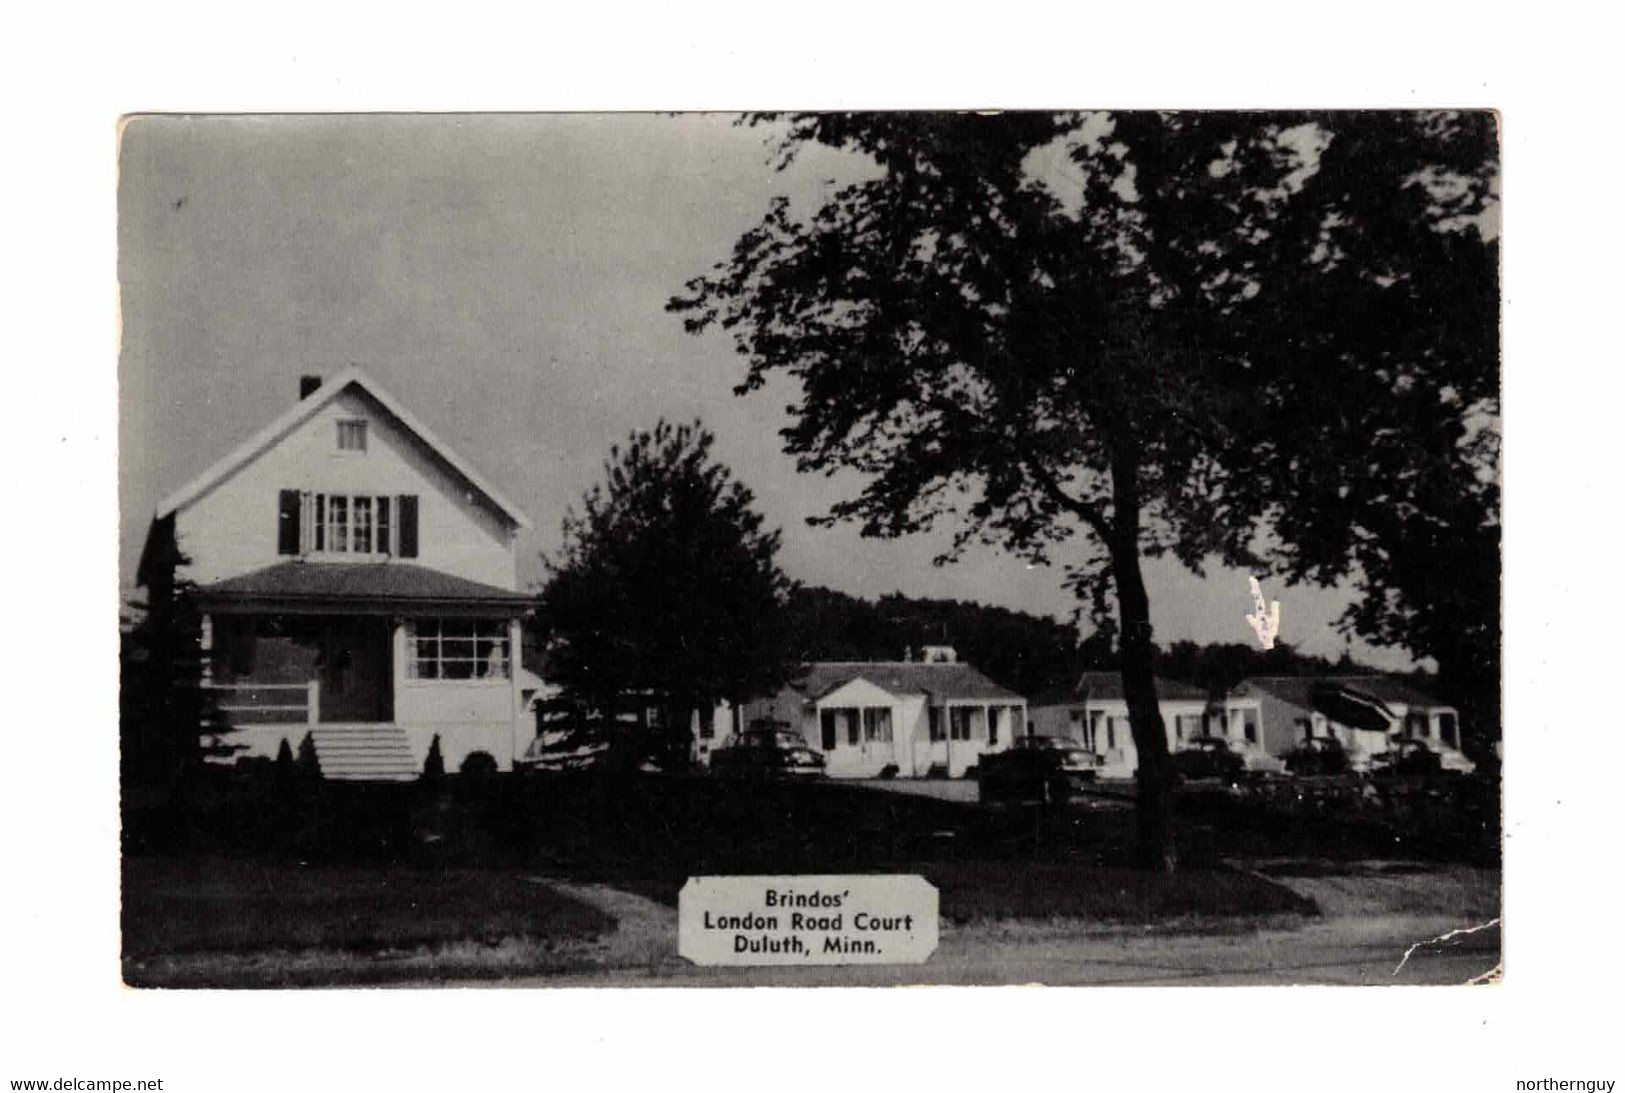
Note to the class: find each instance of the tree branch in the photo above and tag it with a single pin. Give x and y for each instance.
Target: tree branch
(1084, 510)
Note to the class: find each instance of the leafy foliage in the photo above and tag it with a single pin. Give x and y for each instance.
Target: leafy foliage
(1023, 652)
(1142, 327)
(667, 585)
(165, 713)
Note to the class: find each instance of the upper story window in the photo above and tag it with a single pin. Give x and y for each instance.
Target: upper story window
(352, 436)
(368, 525)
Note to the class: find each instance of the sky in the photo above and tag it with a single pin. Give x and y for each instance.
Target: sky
(505, 277)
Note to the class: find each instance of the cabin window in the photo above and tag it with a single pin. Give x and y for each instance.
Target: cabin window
(1111, 732)
(961, 722)
(1305, 727)
(352, 436)
(877, 724)
(934, 720)
(457, 649)
(1249, 725)
(1447, 729)
(836, 716)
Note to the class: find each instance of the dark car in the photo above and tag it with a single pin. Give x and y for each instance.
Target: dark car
(767, 749)
(1407, 757)
(1318, 755)
(1036, 768)
(1207, 757)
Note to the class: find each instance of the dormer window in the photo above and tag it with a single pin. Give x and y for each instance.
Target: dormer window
(353, 436)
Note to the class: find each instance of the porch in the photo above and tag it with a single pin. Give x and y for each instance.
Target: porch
(959, 733)
(372, 675)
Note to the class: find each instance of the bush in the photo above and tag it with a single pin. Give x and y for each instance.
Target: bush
(478, 764)
(307, 765)
(889, 771)
(434, 767)
(284, 775)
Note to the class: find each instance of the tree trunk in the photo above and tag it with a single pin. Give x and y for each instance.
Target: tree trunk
(680, 731)
(1154, 810)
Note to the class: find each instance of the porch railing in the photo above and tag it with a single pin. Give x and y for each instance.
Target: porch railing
(245, 704)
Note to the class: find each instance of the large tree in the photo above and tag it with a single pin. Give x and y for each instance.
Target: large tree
(1041, 323)
(169, 723)
(1382, 361)
(667, 586)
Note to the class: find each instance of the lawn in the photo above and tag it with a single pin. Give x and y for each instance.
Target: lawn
(991, 891)
(178, 906)
(994, 891)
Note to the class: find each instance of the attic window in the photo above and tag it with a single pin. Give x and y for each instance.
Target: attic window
(352, 436)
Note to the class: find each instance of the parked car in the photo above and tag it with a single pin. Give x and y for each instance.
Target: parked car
(1208, 757)
(1036, 768)
(1318, 755)
(1407, 757)
(767, 749)
(592, 744)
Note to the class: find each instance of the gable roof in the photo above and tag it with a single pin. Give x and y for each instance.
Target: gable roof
(948, 680)
(360, 586)
(1108, 687)
(302, 411)
(1299, 690)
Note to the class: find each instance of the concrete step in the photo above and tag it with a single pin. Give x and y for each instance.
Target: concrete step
(366, 752)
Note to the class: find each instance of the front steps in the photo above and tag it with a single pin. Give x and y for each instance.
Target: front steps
(364, 753)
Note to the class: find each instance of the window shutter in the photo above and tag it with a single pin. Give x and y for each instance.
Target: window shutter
(287, 522)
(407, 532)
(383, 525)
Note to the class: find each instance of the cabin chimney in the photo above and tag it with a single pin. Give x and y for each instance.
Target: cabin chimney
(308, 386)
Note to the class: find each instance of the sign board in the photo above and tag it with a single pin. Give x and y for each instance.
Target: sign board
(741, 921)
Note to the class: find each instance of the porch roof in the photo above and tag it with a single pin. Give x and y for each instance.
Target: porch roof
(376, 588)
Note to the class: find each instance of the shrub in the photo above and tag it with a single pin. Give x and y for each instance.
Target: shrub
(283, 770)
(478, 764)
(308, 766)
(434, 767)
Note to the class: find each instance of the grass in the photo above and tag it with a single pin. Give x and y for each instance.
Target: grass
(994, 891)
(177, 906)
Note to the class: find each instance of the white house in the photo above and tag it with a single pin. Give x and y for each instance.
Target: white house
(1366, 714)
(359, 583)
(937, 716)
(1094, 712)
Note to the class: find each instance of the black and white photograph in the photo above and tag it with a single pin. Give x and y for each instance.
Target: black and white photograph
(810, 549)
(772, 548)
